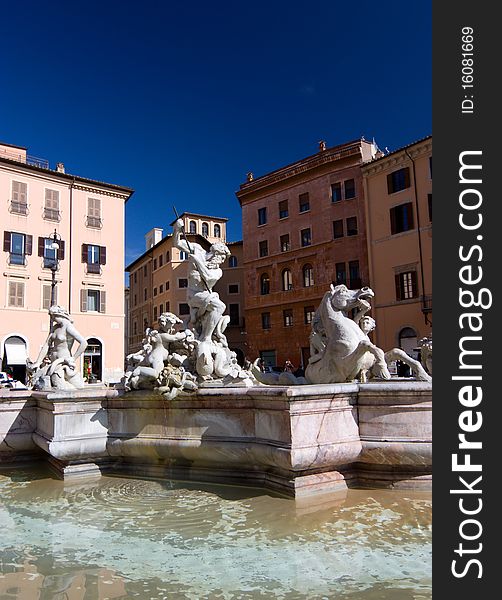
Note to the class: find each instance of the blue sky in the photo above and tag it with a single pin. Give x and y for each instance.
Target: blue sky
(180, 101)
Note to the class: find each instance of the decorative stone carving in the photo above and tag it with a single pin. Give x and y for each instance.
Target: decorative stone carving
(426, 353)
(341, 350)
(54, 368)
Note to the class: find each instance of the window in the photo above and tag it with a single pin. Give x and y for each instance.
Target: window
(263, 248)
(268, 357)
(167, 306)
(51, 206)
(19, 245)
(92, 300)
(308, 275)
(161, 288)
(16, 294)
(308, 314)
(341, 274)
(406, 285)
(336, 192)
(233, 310)
(262, 216)
(167, 256)
(232, 262)
(145, 270)
(401, 218)
(154, 291)
(233, 288)
(283, 209)
(94, 256)
(265, 320)
(48, 253)
(217, 231)
(285, 245)
(145, 294)
(161, 308)
(429, 204)
(135, 328)
(154, 264)
(304, 202)
(135, 299)
(306, 237)
(398, 180)
(352, 226)
(287, 317)
(19, 198)
(264, 284)
(161, 260)
(46, 295)
(205, 229)
(182, 283)
(155, 314)
(430, 167)
(287, 281)
(350, 189)
(183, 255)
(354, 275)
(183, 309)
(338, 229)
(135, 276)
(167, 285)
(192, 227)
(94, 212)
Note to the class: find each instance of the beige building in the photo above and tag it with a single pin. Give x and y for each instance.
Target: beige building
(398, 197)
(87, 218)
(158, 279)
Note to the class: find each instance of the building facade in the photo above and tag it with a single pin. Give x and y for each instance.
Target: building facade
(303, 229)
(158, 279)
(398, 193)
(87, 218)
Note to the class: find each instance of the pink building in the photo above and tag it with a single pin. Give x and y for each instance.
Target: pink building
(88, 219)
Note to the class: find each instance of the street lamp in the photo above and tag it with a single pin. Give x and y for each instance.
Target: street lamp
(56, 238)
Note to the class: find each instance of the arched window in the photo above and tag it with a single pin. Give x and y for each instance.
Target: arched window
(264, 284)
(205, 229)
(287, 281)
(408, 340)
(93, 363)
(308, 275)
(217, 231)
(192, 227)
(232, 261)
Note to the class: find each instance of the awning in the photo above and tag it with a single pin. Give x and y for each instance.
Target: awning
(16, 352)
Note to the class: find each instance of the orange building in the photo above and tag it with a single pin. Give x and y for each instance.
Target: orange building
(303, 229)
(398, 194)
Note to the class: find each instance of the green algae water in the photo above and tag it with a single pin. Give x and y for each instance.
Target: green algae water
(117, 538)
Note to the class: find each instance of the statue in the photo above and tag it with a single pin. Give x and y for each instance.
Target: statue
(426, 353)
(55, 367)
(341, 350)
(212, 355)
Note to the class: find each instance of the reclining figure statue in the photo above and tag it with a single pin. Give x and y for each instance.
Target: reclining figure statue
(340, 350)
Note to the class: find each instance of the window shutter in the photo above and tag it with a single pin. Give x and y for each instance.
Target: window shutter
(407, 177)
(85, 250)
(15, 191)
(399, 291)
(41, 246)
(61, 250)
(102, 302)
(23, 193)
(390, 187)
(46, 297)
(83, 300)
(12, 293)
(102, 255)
(29, 244)
(393, 227)
(6, 241)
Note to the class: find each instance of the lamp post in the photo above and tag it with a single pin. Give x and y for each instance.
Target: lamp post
(56, 238)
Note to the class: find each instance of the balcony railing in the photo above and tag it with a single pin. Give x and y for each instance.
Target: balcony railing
(94, 222)
(18, 208)
(25, 158)
(52, 214)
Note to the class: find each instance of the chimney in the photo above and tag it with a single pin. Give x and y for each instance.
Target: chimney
(153, 237)
(60, 167)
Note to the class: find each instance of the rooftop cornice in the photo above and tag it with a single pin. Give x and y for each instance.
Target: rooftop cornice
(398, 157)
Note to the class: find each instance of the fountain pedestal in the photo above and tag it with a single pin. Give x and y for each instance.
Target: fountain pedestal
(298, 440)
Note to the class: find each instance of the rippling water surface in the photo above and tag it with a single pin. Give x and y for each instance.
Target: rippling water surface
(130, 538)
